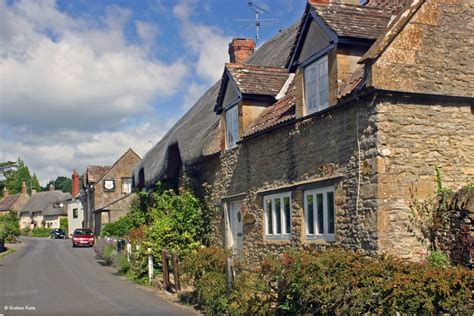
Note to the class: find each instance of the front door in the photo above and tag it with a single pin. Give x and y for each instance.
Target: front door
(236, 229)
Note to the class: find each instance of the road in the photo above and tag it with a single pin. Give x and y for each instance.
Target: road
(53, 278)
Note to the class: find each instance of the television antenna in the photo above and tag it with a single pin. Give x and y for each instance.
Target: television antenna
(259, 23)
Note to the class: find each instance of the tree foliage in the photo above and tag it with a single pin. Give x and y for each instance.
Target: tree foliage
(61, 183)
(15, 174)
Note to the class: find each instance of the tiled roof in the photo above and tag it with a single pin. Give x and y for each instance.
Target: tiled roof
(394, 5)
(354, 20)
(6, 204)
(352, 83)
(259, 80)
(281, 111)
(94, 173)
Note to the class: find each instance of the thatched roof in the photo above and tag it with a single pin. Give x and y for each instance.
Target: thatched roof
(197, 134)
(43, 202)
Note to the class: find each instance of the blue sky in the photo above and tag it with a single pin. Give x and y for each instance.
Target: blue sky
(81, 81)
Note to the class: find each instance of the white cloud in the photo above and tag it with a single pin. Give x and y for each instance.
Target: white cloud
(50, 155)
(74, 91)
(208, 43)
(59, 68)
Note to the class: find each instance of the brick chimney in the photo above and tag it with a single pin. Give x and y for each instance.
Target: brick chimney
(5, 192)
(24, 189)
(51, 187)
(240, 49)
(75, 183)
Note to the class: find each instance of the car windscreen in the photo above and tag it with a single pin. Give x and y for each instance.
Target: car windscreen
(82, 232)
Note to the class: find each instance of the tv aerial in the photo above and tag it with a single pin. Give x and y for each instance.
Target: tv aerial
(259, 23)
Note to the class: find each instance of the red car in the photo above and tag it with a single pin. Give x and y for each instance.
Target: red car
(83, 237)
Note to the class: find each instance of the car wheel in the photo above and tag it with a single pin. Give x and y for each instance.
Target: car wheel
(73, 245)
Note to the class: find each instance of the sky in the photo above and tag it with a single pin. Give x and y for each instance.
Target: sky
(82, 81)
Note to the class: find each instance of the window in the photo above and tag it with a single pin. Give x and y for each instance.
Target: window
(278, 216)
(126, 185)
(232, 126)
(320, 214)
(74, 212)
(316, 86)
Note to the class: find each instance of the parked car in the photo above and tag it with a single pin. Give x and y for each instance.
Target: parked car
(58, 233)
(83, 237)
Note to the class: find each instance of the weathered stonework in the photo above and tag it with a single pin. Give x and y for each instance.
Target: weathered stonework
(415, 137)
(433, 52)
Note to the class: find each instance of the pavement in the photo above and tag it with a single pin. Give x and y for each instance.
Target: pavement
(49, 277)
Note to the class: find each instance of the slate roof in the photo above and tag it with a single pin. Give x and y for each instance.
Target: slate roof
(260, 80)
(198, 132)
(280, 112)
(354, 20)
(6, 204)
(43, 202)
(394, 5)
(94, 173)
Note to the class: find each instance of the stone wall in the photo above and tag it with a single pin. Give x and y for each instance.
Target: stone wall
(416, 135)
(116, 202)
(316, 151)
(433, 52)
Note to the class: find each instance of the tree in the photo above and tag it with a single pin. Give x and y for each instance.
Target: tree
(18, 173)
(61, 183)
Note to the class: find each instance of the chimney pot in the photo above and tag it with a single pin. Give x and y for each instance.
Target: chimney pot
(51, 187)
(240, 49)
(33, 191)
(24, 189)
(5, 192)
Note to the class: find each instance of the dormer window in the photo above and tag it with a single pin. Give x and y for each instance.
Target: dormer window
(316, 86)
(232, 126)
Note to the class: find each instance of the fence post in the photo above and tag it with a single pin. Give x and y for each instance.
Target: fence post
(129, 251)
(177, 284)
(229, 274)
(166, 280)
(150, 265)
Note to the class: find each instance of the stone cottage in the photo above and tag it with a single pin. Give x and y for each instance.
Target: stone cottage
(44, 209)
(107, 191)
(13, 202)
(328, 154)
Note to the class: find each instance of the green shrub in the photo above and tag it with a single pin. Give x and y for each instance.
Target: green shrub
(122, 263)
(25, 231)
(9, 227)
(211, 289)
(437, 259)
(119, 228)
(108, 254)
(40, 232)
(63, 224)
(331, 282)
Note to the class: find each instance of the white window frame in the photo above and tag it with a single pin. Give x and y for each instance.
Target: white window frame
(316, 235)
(285, 233)
(319, 86)
(232, 126)
(126, 185)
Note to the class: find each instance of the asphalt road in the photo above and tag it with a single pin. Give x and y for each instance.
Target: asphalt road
(49, 277)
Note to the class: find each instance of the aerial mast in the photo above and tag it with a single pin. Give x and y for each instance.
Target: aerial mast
(259, 23)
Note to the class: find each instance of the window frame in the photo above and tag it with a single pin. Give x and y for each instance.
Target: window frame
(285, 234)
(318, 106)
(232, 125)
(326, 236)
(75, 213)
(130, 184)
